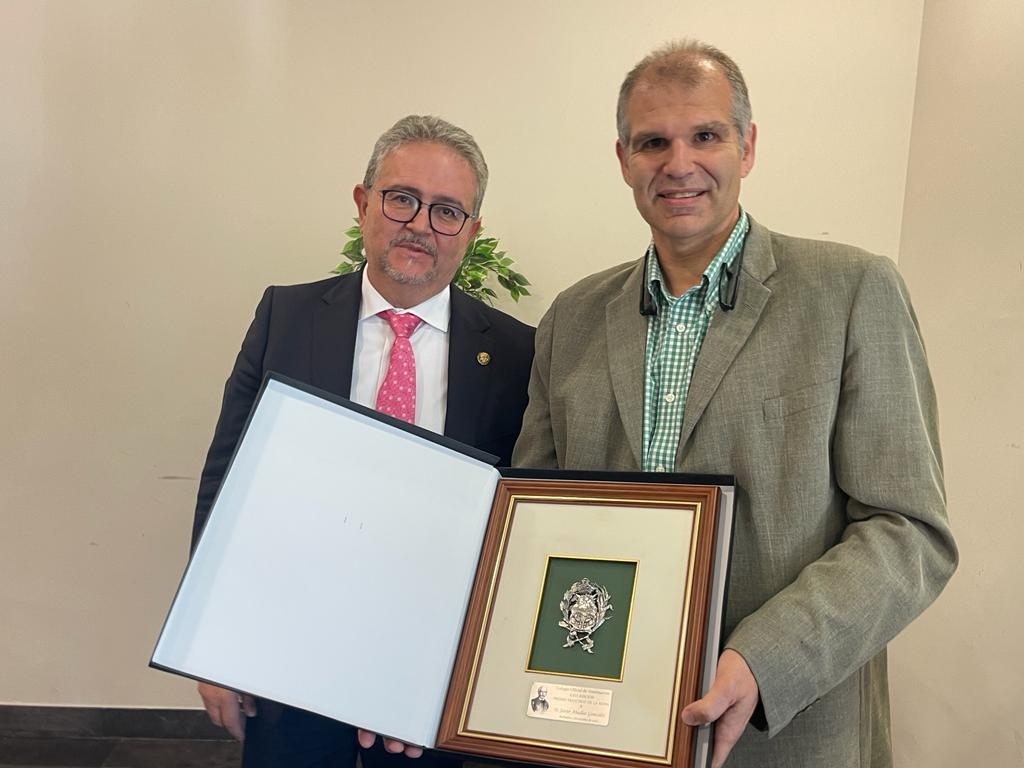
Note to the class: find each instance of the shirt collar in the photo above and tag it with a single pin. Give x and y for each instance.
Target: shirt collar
(733, 245)
(435, 311)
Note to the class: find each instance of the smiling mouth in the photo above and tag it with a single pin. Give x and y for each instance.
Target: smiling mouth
(680, 195)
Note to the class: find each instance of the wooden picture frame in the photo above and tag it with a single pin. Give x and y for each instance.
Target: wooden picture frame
(671, 532)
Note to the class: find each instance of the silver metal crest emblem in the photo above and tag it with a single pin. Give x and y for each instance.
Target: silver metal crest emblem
(584, 607)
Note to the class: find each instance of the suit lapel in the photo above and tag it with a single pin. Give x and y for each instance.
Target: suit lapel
(334, 335)
(468, 379)
(627, 340)
(729, 331)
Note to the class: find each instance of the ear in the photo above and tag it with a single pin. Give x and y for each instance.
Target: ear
(620, 152)
(361, 195)
(474, 227)
(749, 145)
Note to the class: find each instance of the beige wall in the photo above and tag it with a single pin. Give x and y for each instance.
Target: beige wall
(957, 673)
(161, 162)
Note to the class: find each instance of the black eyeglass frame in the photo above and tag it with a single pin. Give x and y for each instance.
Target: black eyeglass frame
(430, 211)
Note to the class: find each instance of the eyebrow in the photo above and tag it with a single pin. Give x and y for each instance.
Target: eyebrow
(715, 126)
(443, 199)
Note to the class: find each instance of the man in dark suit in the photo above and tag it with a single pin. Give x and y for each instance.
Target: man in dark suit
(539, 703)
(464, 372)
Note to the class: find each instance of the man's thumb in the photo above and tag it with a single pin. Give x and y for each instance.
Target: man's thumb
(705, 710)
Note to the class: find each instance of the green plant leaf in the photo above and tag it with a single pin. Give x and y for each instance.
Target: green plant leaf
(344, 268)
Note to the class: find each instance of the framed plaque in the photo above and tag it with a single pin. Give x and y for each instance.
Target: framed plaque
(524, 614)
(587, 629)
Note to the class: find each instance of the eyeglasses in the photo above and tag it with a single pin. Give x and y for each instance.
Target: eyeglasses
(403, 207)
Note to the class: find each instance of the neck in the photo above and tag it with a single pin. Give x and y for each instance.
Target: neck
(681, 275)
(683, 263)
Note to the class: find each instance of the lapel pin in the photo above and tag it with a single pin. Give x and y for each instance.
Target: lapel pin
(483, 357)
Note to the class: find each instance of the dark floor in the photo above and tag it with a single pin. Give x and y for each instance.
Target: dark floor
(72, 737)
(86, 752)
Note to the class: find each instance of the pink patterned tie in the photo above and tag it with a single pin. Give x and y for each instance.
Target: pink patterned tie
(397, 395)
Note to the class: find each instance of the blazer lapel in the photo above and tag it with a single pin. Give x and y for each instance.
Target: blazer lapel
(334, 335)
(468, 379)
(627, 340)
(729, 330)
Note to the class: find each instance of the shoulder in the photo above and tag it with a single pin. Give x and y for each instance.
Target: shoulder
(584, 305)
(326, 288)
(302, 299)
(822, 285)
(817, 264)
(793, 251)
(506, 322)
(497, 323)
(606, 283)
(801, 249)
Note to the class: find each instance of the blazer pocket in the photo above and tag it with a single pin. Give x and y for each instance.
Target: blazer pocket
(801, 400)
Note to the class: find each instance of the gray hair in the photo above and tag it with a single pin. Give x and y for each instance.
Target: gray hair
(681, 61)
(415, 129)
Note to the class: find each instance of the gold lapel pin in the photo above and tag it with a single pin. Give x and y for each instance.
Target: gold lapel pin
(483, 357)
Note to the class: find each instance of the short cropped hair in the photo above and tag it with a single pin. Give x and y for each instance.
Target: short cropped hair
(681, 61)
(415, 129)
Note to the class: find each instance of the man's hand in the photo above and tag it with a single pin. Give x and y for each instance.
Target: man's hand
(729, 704)
(366, 739)
(225, 708)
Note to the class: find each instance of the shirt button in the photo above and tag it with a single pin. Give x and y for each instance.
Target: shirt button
(670, 397)
(660, 468)
(680, 327)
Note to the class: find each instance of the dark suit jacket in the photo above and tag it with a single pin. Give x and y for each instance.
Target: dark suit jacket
(308, 332)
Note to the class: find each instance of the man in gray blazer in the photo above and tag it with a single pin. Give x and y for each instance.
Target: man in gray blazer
(794, 365)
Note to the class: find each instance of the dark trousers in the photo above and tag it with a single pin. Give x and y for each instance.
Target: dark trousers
(284, 737)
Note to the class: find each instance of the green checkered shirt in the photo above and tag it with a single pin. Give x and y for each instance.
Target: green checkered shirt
(674, 337)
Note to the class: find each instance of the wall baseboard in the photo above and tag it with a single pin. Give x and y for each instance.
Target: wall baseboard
(30, 721)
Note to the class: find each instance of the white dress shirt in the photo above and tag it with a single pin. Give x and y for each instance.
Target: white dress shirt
(374, 338)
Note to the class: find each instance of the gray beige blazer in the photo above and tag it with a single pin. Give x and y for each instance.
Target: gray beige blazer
(815, 393)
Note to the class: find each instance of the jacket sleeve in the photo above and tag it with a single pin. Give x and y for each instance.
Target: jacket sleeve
(535, 447)
(896, 551)
(239, 394)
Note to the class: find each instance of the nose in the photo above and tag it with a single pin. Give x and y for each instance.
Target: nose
(678, 159)
(420, 223)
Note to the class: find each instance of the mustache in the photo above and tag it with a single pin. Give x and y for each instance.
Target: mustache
(419, 242)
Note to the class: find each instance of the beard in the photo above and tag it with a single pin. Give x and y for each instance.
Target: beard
(406, 278)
